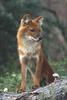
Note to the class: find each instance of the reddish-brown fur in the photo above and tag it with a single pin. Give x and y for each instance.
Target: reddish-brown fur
(43, 69)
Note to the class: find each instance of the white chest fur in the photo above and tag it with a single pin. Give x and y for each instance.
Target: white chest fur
(30, 45)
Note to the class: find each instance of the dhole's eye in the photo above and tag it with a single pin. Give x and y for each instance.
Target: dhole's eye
(32, 30)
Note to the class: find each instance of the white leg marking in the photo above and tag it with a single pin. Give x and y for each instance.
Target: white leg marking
(21, 58)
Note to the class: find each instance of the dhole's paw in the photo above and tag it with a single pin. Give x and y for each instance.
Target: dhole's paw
(34, 87)
(20, 89)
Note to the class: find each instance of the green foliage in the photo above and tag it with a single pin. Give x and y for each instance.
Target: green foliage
(9, 81)
(7, 34)
(12, 78)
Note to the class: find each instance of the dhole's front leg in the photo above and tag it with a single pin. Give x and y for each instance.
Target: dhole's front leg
(38, 73)
(23, 73)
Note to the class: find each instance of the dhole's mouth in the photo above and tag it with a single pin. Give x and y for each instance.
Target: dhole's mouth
(35, 39)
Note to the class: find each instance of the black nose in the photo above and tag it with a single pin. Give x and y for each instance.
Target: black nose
(40, 38)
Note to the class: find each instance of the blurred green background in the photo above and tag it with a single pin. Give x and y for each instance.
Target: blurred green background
(55, 40)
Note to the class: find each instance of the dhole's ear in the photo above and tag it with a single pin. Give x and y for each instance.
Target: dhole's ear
(39, 20)
(26, 19)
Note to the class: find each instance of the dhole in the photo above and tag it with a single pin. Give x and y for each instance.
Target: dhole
(29, 39)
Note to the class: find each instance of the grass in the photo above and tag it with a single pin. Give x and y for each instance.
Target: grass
(11, 77)
(60, 67)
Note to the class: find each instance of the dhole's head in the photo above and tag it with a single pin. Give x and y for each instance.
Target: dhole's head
(33, 30)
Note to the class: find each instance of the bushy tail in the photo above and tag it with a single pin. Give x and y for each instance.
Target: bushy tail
(47, 71)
